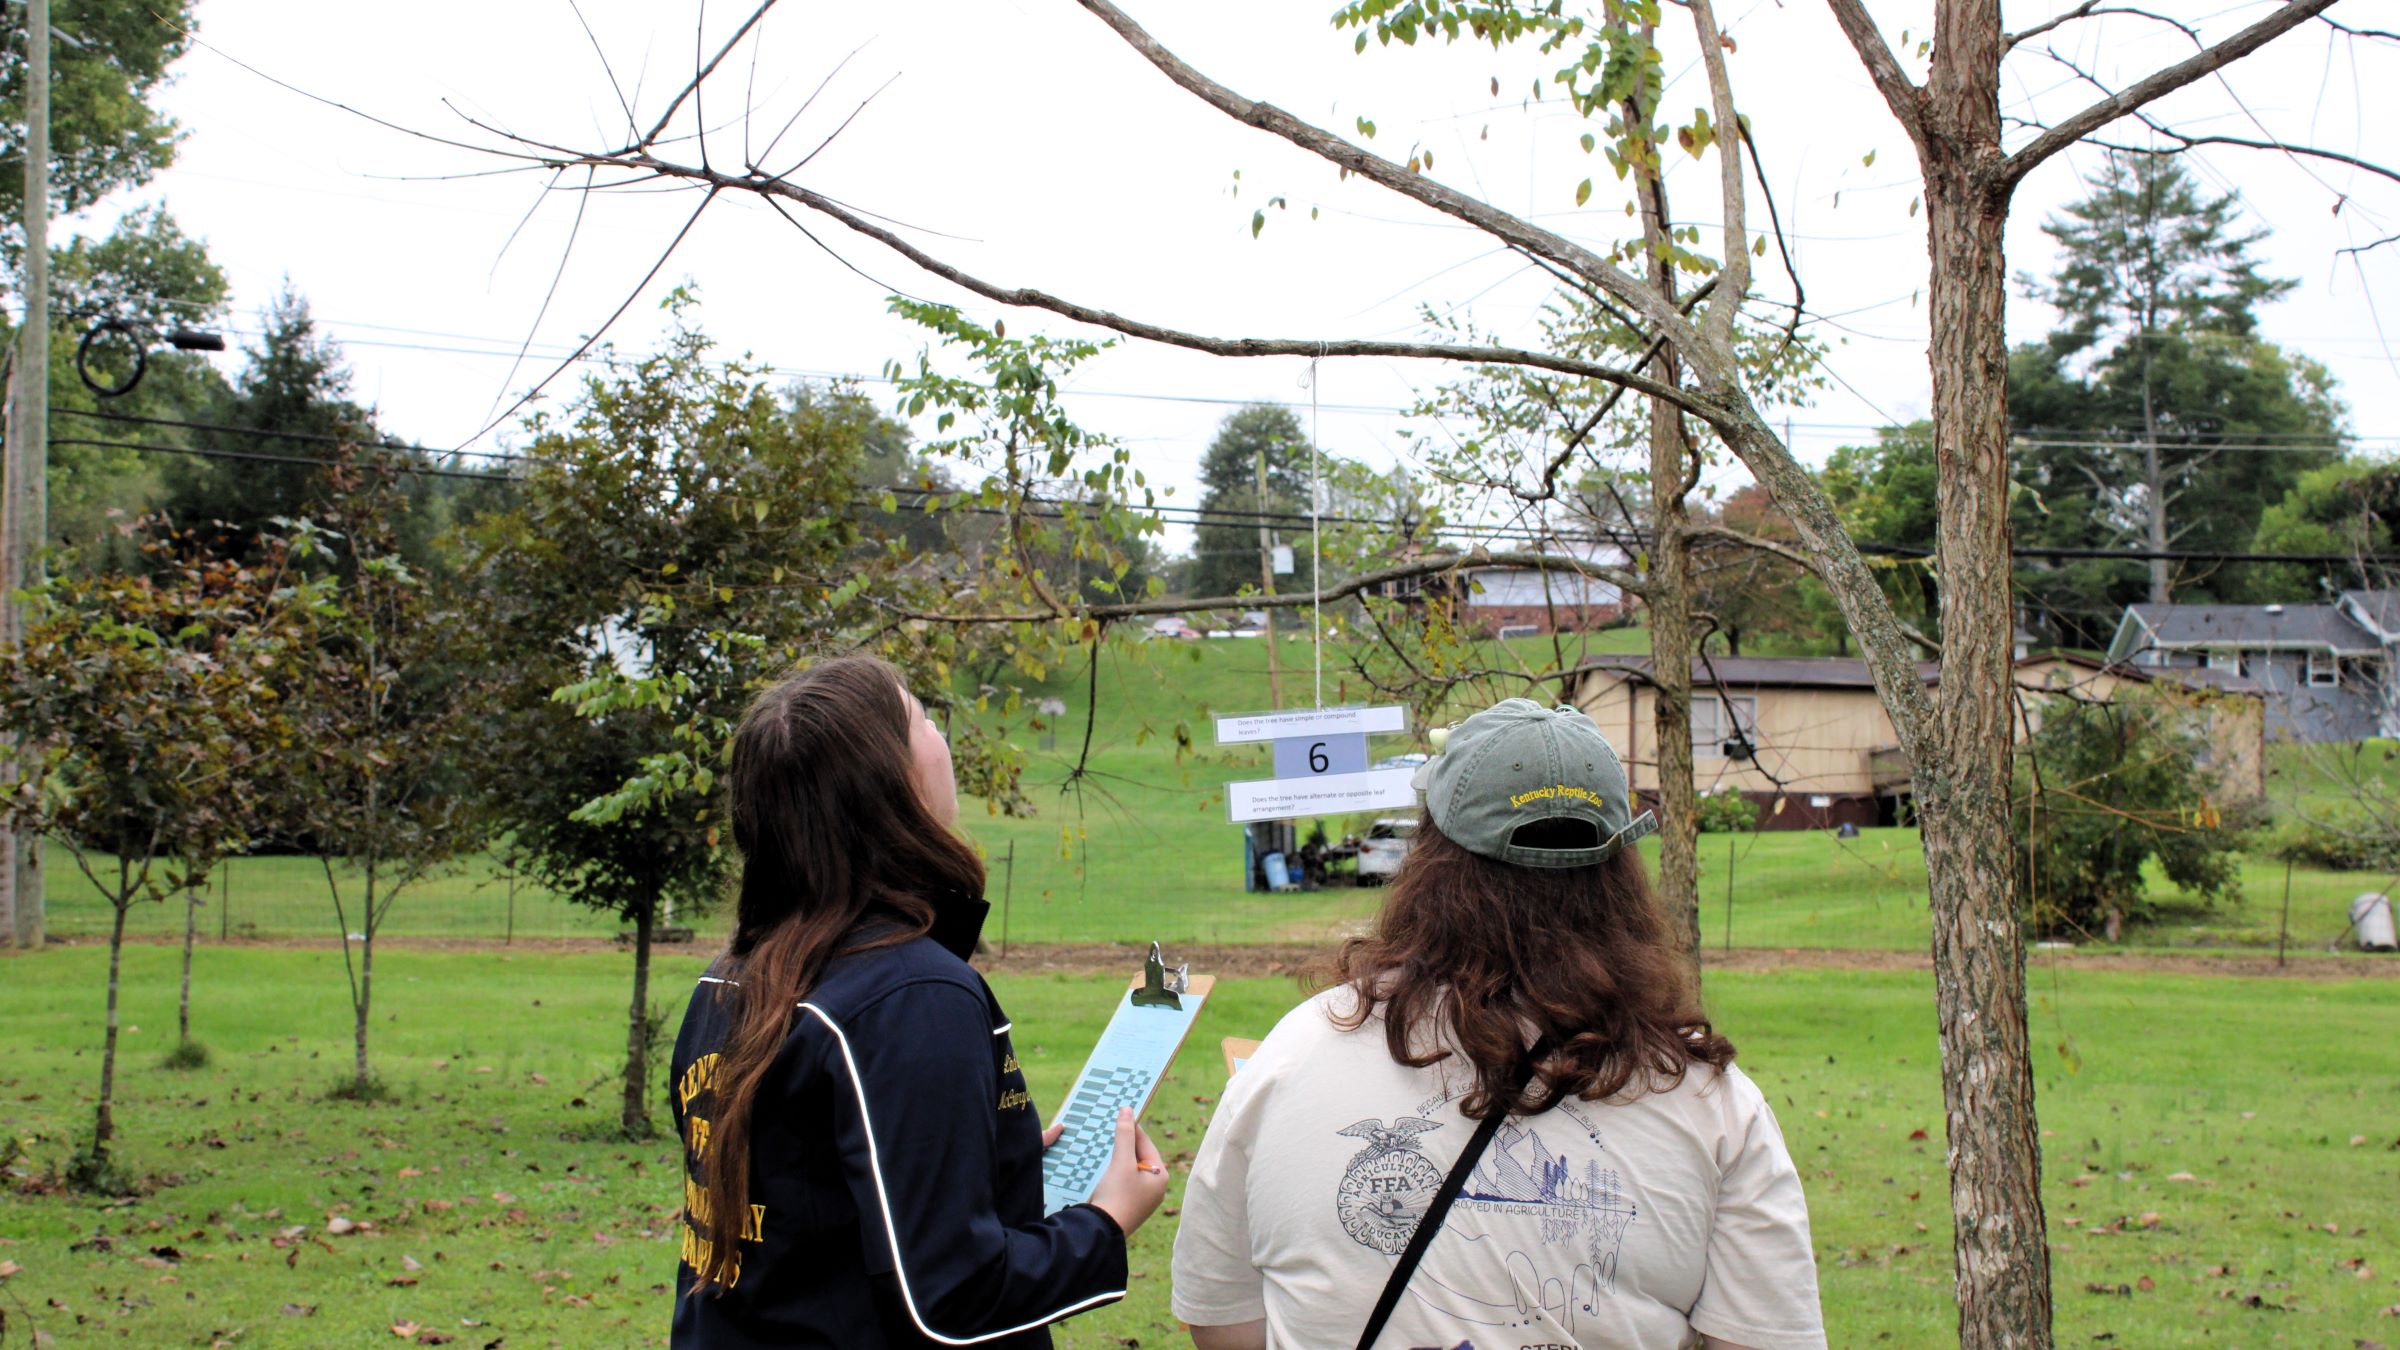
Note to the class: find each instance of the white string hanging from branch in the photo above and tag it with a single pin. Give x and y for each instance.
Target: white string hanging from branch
(1316, 529)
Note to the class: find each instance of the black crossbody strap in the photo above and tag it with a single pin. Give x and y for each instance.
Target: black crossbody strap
(1439, 1209)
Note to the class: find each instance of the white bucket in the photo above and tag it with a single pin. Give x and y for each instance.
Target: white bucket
(2371, 922)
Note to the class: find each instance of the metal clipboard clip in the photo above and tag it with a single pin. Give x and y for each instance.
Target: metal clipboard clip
(1161, 988)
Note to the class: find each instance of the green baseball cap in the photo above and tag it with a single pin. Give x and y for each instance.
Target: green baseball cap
(1518, 765)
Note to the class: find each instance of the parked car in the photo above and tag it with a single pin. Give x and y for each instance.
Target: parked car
(1172, 628)
(1387, 842)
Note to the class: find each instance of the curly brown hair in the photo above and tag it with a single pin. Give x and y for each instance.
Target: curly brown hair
(1483, 958)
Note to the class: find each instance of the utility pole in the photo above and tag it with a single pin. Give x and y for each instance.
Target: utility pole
(1266, 583)
(24, 495)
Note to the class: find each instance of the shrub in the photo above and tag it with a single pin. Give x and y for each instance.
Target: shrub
(2346, 843)
(1727, 811)
(2102, 789)
(186, 1055)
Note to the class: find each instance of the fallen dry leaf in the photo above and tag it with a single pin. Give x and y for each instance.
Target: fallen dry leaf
(406, 1330)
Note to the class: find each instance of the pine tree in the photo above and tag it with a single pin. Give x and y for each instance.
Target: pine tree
(1226, 551)
(2129, 410)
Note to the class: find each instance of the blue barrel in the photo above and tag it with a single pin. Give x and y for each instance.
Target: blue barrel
(1279, 876)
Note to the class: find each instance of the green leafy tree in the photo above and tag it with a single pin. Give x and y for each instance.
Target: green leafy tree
(2347, 509)
(2139, 417)
(683, 534)
(107, 59)
(1885, 493)
(294, 385)
(148, 274)
(149, 702)
(2103, 789)
(1225, 552)
(388, 690)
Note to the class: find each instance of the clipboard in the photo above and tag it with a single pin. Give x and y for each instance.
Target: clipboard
(1237, 1053)
(1153, 1016)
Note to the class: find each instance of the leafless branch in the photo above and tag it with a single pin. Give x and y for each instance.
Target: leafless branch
(700, 76)
(1500, 225)
(1906, 100)
(1734, 271)
(1219, 346)
(2144, 91)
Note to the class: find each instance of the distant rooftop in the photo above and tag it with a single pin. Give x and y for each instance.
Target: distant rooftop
(2284, 627)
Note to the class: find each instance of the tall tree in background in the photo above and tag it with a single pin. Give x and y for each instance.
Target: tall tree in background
(2141, 419)
(295, 386)
(104, 133)
(1225, 552)
(148, 274)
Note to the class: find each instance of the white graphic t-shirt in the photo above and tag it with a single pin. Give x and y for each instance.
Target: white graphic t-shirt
(1627, 1224)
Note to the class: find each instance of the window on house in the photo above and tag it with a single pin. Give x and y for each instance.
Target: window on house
(2229, 662)
(2323, 670)
(1712, 728)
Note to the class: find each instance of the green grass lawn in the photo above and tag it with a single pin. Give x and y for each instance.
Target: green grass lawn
(2221, 1150)
(1140, 848)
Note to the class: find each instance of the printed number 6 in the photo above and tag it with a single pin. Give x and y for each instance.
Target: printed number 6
(1317, 763)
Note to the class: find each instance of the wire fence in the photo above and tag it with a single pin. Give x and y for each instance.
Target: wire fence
(1109, 875)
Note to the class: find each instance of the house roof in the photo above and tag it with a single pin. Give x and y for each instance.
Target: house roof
(2379, 609)
(2191, 677)
(2286, 627)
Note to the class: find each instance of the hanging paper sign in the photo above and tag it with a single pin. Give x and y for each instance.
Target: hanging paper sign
(1330, 794)
(1316, 756)
(1283, 560)
(1319, 722)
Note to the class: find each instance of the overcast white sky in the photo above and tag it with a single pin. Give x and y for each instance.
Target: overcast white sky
(1044, 153)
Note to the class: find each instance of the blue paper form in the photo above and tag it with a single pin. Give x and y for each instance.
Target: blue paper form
(1133, 1054)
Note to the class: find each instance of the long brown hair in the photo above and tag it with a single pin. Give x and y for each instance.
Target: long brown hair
(1470, 954)
(839, 854)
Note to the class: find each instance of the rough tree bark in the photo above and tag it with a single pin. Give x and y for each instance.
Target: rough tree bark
(2002, 1259)
(1670, 600)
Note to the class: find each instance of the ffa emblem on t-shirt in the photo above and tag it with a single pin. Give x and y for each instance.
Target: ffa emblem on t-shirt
(1388, 1184)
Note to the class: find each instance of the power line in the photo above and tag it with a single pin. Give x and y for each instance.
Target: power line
(306, 437)
(2036, 436)
(256, 456)
(1490, 533)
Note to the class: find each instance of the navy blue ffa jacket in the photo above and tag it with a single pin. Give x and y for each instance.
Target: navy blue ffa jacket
(895, 1169)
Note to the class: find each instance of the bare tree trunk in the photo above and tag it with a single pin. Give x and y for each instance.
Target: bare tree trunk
(2002, 1258)
(366, 986)
(191, 932)
(1670, 597)
(104, 1123)
(1266, 586)
(2154, 483)
(635, 1119)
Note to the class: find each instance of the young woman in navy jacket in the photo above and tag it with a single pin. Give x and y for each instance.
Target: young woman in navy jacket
(862, 1161)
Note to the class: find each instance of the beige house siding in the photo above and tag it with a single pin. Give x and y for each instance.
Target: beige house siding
(2233, 723)
(1838, 743)
(1808, 741)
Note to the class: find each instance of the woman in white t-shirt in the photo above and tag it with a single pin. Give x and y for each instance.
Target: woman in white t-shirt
(1637, 1192)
